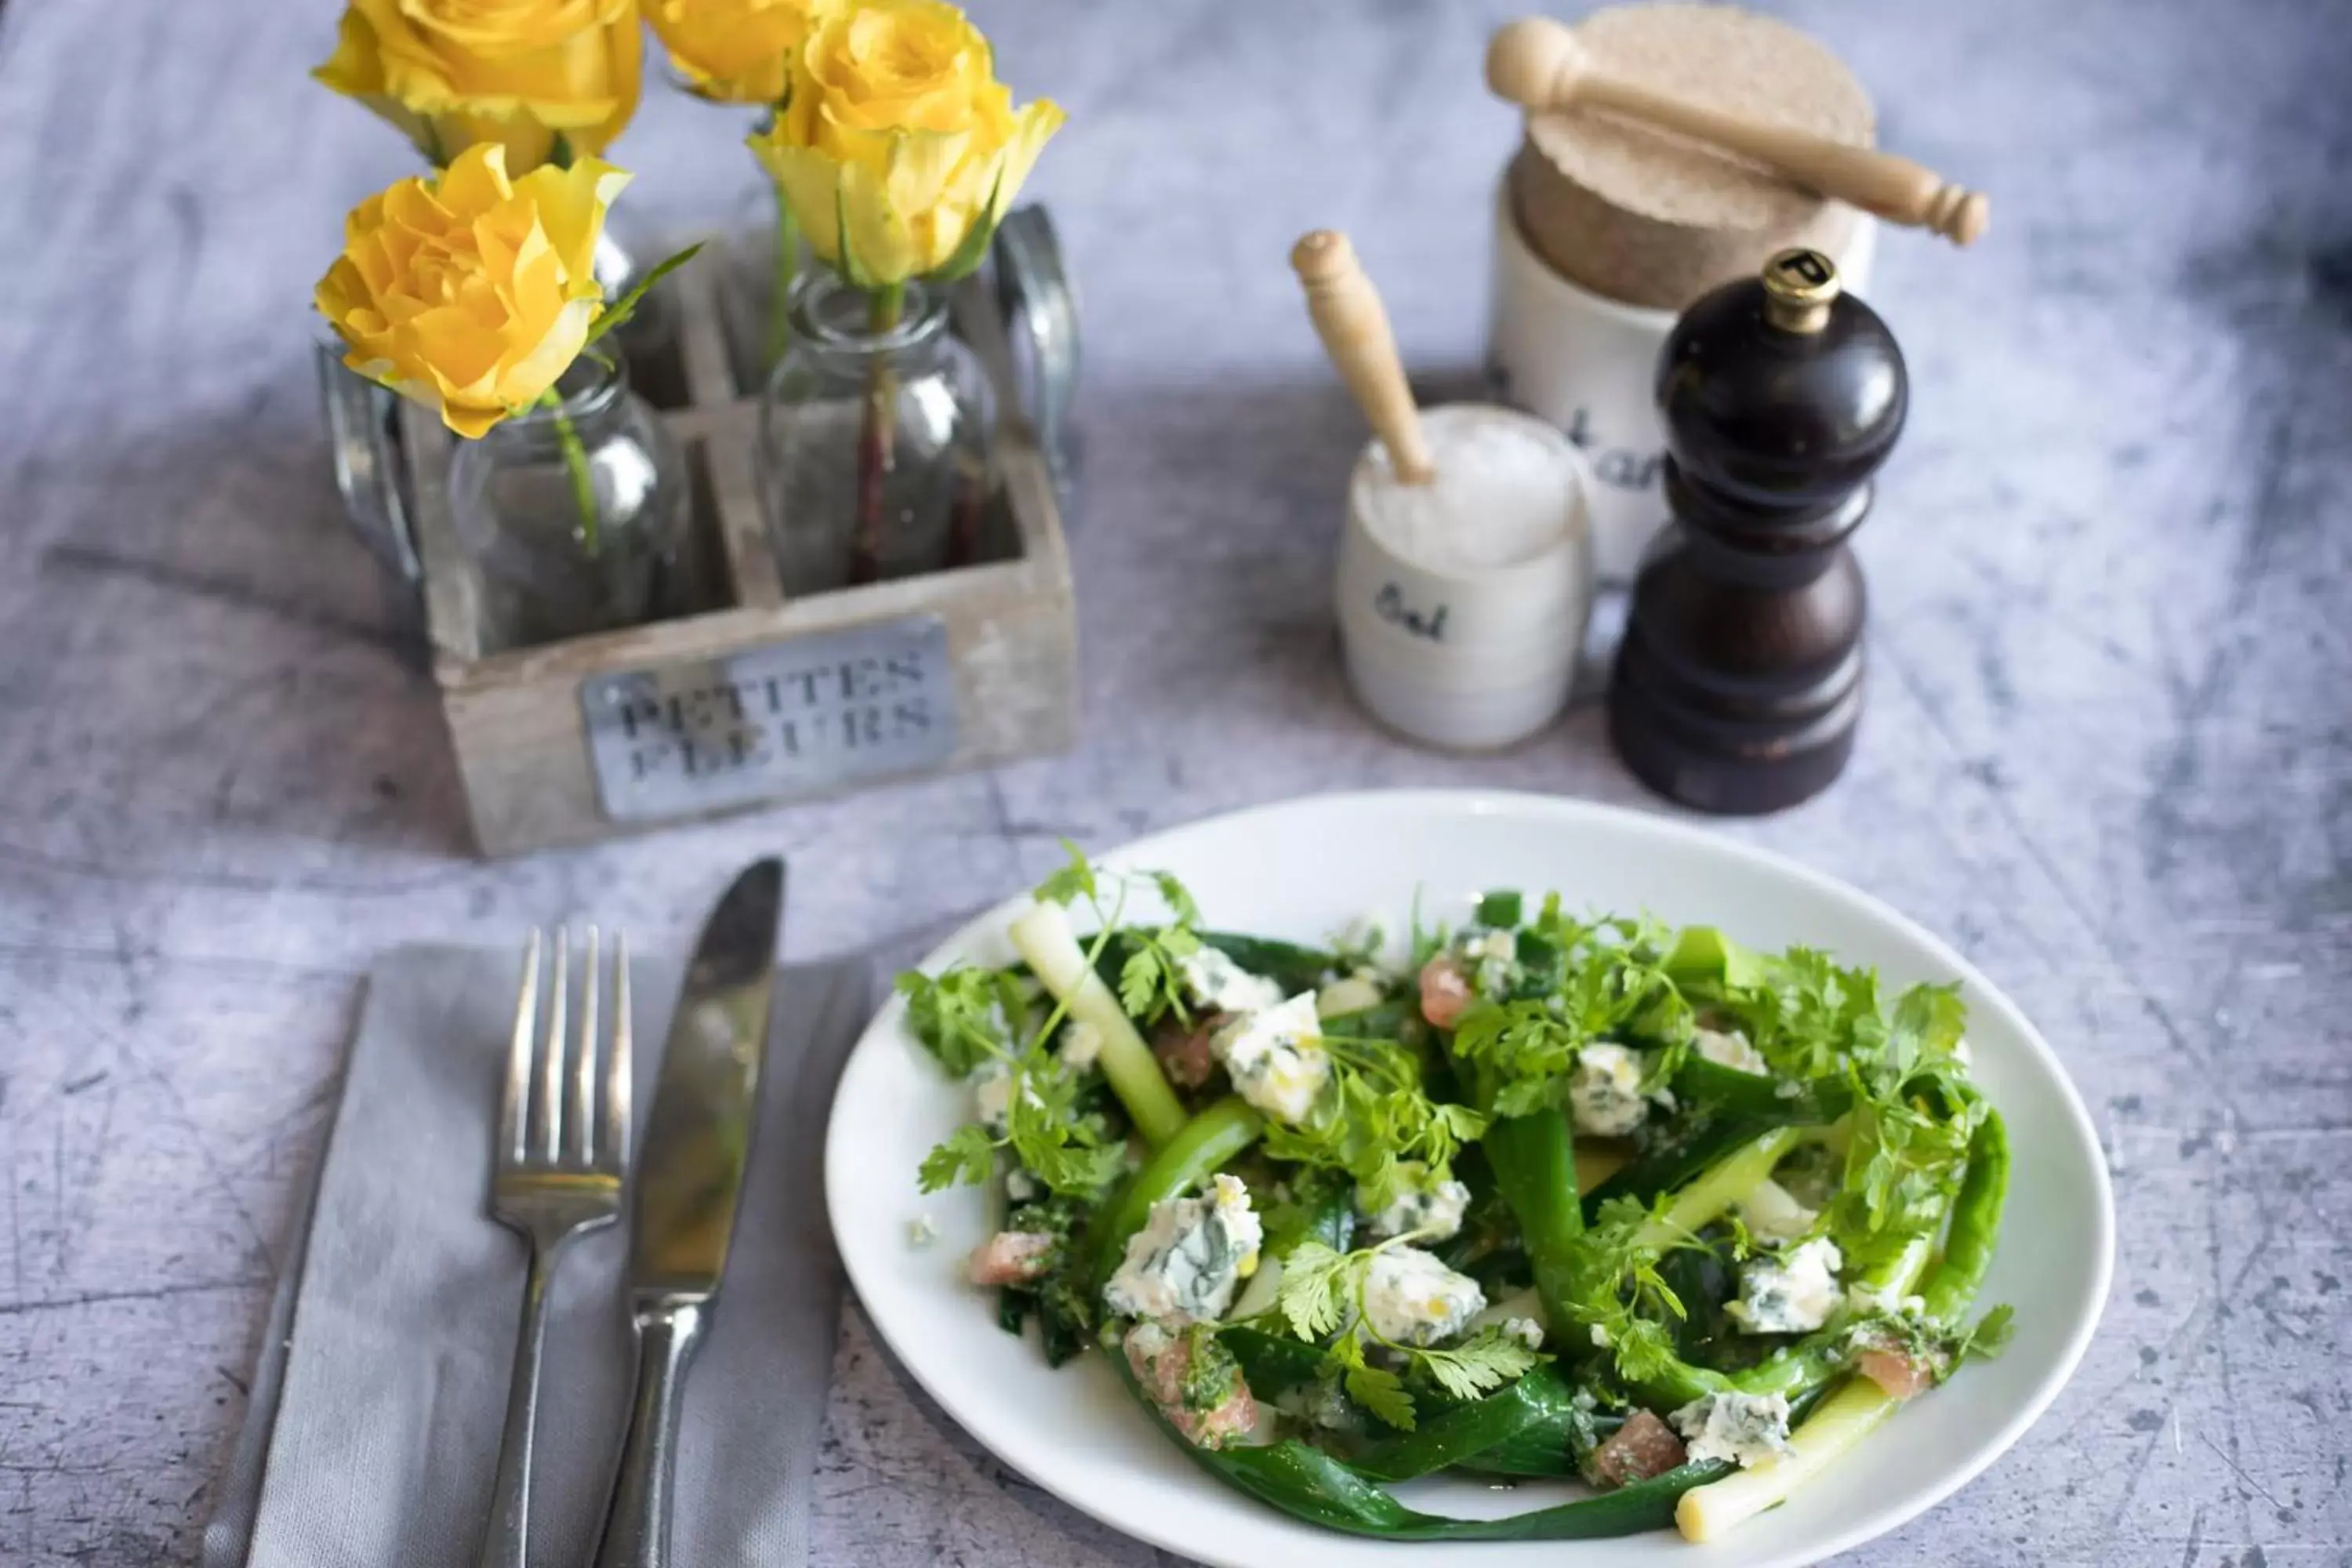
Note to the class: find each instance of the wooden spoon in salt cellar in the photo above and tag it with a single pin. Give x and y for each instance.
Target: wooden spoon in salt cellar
(1354, 327)
(1539, 64)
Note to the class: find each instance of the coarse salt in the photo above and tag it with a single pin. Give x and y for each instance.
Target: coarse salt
(1505, 492)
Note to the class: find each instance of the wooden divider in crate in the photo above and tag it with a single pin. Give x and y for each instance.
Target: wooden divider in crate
(759, 698)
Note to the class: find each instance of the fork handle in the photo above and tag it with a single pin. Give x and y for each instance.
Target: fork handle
(507, 1542)
(637, 1527)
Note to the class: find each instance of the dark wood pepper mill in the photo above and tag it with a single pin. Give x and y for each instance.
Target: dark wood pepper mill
(1740, 677)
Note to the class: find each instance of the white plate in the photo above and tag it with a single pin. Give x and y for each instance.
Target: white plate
(1302, 869)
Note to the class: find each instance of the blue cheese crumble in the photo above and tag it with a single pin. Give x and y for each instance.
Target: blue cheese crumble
(1773, 1216)
(1741, 1427)
(1605, 1092)
(1730, 1048)
(1412, 1298)
(1351, 994)
(1276, 1058)
(1190, 1256)
(1215, 982)
(1082, 1043)
(1492, 957)
(1793, 1293)
(1434, 1208)
(991, 1094)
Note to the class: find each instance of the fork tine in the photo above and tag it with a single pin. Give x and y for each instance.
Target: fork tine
(548, 1090)
(619, 1083)
(582, 1106)
(514, 1106)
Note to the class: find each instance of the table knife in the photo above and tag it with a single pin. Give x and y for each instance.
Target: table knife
(689, 1172)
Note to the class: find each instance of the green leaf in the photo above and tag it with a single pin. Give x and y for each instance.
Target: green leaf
(968, 1157)
(615, 314)
(1178, 898)
(1377, 1389)
(963, 1017)
(1524, 1096)
(1500, 910)
(1072, 881)
(1377, 1122)
(1311, 1298)
(1479, 1365)
(1929, 1023)
(1068, 1153)
(1140, 980)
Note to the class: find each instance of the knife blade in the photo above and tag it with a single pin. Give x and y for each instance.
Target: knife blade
(690, 1176)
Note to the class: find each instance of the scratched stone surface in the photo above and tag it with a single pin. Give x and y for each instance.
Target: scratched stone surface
(2108, 754)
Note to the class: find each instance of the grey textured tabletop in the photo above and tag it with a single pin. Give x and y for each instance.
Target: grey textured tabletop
(2108, 752)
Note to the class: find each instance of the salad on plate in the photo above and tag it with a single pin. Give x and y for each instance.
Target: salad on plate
(1541, 1195)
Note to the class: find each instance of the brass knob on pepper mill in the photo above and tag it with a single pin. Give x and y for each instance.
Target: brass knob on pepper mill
(1740, 677)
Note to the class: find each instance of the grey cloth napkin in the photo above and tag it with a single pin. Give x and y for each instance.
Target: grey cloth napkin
(373, 1433)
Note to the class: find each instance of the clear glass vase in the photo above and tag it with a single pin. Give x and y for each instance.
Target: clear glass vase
(550, 567)
(873, 442)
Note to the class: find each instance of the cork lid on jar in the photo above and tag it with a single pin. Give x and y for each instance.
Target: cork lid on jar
(1647, 217)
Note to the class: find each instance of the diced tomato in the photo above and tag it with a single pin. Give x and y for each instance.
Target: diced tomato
(1643, 1448)
(1446, 993)
(1161, 1361)
(1012, 1257)
(1214, 1429)
(1896, 1375)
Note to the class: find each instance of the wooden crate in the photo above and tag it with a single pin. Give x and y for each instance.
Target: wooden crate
(859, 666)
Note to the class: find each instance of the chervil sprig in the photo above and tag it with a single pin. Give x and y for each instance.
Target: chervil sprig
(1322, 1294)
(1375, 1120)
(1151, 980)
(1619, 1297)
(965, 1016)
(1073, 1155)
(1611, 982)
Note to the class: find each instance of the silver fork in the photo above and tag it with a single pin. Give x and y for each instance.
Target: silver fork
(559, 1168)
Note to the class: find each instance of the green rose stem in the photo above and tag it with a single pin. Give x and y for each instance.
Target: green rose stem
(884, 305)
(788, 265)
(576, 464)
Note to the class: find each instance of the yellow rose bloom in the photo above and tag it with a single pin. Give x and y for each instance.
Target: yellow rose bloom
(735, 51)
(899, 144)
(471, 292)
(456, 73)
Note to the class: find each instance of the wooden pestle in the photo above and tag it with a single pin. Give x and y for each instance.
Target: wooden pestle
(1355, 334)
(1539, 63)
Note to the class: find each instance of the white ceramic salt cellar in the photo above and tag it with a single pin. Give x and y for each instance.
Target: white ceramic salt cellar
(1465, 567)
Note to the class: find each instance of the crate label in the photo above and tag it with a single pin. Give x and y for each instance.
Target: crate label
(814, 713)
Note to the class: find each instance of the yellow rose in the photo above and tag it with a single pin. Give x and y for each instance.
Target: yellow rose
(520, 73)
(898, 134)
(469, 292)
(735, 51)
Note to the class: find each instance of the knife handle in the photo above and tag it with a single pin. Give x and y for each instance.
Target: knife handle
(637, 1525)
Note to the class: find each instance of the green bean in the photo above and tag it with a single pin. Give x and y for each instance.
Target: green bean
(1670, 1165)
(1722, 1185)
(1534, 1164)
(1538, 1400)
(1308, 1484)
(1702, 1082)
(1271, 1363)
(1976, 1223)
